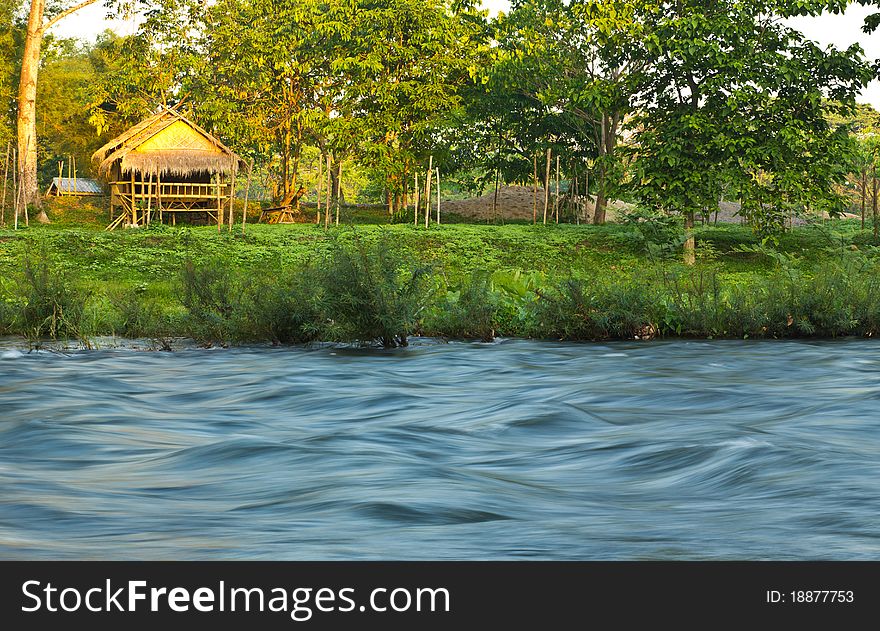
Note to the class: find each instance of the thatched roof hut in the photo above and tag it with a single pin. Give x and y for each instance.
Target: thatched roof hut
(166, 143)
(166, 165)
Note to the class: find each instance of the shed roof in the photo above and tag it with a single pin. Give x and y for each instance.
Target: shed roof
(166, 142)
(75, 186)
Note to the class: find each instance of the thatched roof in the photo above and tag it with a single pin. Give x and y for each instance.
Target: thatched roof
(166, 143)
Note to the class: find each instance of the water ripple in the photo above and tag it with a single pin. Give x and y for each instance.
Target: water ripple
(519, 449)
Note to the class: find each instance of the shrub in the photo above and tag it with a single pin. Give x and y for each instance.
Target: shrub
(285, 309)
(50, 303)
(139, 314)
(372, 292)
(578, 310)
(468, 311)
(208, 293)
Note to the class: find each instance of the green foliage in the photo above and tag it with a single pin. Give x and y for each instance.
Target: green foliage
(373, 292)
(283, 309)
(654, 232)
(64, 91)
(468, 310)
(49, 302)
(208, 293)
(140, 314)
(578, 309)
(736, 104)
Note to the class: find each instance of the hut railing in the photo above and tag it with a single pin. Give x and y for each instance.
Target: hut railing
(170, 190)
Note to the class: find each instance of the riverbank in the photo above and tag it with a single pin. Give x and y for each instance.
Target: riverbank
(299, 283)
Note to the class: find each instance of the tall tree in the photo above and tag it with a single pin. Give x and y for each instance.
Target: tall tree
(26, 118)
(406, 62)
(737, 99)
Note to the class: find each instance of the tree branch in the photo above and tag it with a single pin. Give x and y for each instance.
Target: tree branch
(65, 13)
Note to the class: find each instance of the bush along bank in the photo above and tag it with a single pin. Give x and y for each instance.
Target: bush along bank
(377, 294)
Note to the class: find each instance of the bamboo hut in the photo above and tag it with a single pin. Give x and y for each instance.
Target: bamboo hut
(166, 165)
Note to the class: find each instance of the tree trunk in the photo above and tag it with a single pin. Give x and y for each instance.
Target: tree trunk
(26, 120)
(690, 243)
(27, 112)
(601, 202)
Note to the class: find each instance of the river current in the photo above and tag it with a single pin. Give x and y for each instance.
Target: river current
(512, 450)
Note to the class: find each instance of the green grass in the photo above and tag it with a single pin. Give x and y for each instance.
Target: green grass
(132, 278)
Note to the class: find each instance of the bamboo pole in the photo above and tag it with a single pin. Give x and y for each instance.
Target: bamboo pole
(534, 190)
(5, 179)
(75, 188)
(329, 186)
(338, 189)
(547, 186)
(23, 203)
(149, 199)
(428, 190)
(15, 186)
(232, 195)
(159, 195)
(320, 182)
(69, 176)
(60, 176)
(416, 191)
(247, 193)
(556, 201)
(438, 195)
(219, 204)
(874, 200)
(134, 217)
(495, 198)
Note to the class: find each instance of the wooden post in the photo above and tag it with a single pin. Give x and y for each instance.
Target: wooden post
(495, 198)
(69, 176)
(6, 178)
(247, 193)
(428, 190)
(873, 200)
(556, 201)
(338, 189)
(134, 217)
(864, 190)
(416, 200)
(149, 199)
(547, 186)
(232, 194)
(329, 185)
(219, 204)
(534, 190)
(438, 196)
(159, 195)
(73, 159)
(320, 181)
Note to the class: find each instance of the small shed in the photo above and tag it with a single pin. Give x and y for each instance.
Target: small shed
(78, 186)
(166, 165)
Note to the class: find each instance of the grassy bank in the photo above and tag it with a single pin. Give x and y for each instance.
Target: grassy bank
(297, 283)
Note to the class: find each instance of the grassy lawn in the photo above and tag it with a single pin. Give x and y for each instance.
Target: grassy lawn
(149, 261)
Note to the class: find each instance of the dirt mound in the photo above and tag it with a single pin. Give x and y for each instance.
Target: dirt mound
(517, 202)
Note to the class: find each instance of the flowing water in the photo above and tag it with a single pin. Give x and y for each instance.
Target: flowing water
(519, 449)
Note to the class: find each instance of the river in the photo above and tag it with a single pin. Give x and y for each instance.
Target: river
(512, 450)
